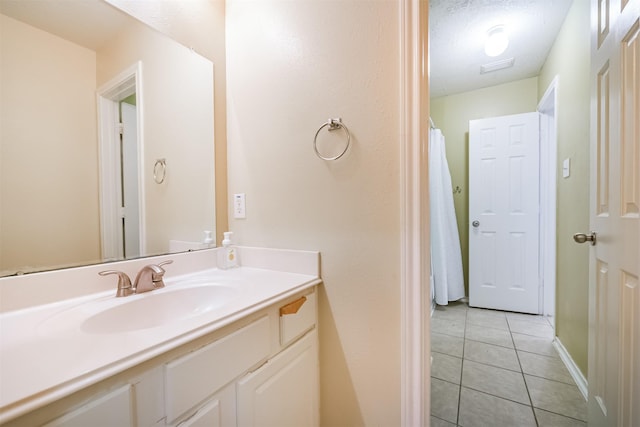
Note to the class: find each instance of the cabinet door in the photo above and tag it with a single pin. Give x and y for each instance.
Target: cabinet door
(218, 411)
(192, 378)
(284, 391)
(113, 409)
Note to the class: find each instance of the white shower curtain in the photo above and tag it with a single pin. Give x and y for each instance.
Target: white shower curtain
(446, 258)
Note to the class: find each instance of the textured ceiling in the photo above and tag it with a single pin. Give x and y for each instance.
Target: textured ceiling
(457, 31)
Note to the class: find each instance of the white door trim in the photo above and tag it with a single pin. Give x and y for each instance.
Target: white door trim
(124, 84)
(414, 279)
(548, 108)
(110, 182)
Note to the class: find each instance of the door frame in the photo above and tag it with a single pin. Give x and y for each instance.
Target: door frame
(415, 384)
(548, 110)
(130, 176)
(109, 95)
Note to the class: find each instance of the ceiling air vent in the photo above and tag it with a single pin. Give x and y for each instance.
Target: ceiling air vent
(497, 65)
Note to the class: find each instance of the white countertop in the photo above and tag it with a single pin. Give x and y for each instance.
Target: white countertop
(41, 363)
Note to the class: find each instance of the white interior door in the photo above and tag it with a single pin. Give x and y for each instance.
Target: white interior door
(130, 196)
(504, 162)
(614, 292)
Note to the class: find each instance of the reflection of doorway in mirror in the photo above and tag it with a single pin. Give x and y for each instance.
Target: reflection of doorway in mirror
(121, 182)
(129, 188)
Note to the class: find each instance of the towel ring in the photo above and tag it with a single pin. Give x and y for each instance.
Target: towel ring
(333, 124)
(159, 173)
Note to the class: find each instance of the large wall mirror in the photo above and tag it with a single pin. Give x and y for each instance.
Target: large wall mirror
(106, 138)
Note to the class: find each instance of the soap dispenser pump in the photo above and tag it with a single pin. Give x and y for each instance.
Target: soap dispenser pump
(208, 239)
(229, 254)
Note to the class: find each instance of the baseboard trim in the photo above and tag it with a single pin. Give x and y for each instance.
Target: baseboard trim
(575, 372)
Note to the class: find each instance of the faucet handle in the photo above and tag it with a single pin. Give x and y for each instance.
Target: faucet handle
(124, 282)
(157, 273)
(169, 261)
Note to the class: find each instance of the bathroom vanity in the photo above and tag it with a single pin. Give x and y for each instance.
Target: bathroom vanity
(235, 347)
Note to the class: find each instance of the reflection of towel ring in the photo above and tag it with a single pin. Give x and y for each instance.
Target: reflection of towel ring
(333, 125)
(160, 171)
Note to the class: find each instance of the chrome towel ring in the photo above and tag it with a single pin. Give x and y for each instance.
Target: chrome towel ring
(160, 171)
(333, 124)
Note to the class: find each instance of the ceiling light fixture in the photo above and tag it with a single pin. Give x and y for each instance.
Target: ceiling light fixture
(497, 41)
(497, 65)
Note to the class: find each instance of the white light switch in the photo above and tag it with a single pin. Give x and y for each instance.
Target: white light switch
(566, 168)
(239, 206)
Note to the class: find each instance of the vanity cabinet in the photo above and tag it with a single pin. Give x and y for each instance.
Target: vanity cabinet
(112, 409)
(271, 364)
(139, 402)
(191, 378)
(284, 391)
(261, 370)
(218, 411)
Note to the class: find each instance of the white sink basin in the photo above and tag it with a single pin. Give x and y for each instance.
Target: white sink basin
(148, 310)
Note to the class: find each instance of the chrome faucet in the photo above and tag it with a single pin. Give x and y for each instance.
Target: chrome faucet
(150, 277)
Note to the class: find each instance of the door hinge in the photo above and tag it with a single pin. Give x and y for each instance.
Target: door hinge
(120, 128)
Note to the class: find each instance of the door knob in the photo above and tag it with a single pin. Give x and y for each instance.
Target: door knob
(476, 224)
(582, 238)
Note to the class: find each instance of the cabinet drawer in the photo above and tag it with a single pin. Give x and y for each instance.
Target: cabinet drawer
(113, 409)
(297, 317)
(190, 379)
(209, 415)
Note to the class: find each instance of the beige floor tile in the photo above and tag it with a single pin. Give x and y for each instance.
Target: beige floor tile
(455, 315)
(531, 328)
(489, 335)
(482, 410)
(528, 317)
(547, 419)
(447, 368)
(444, 400)
(437, 422)
(447, 326)
(490, 354)
(487, 320)
(533, 344)
(496, 381)
(556, 397)
(544, 366)
(456, 305)
(486, 312)
(447, 344)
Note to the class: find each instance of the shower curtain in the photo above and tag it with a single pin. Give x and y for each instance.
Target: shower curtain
(446, 258)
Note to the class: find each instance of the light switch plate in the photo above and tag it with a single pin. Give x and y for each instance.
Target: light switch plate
(566, 168)
(239, 206)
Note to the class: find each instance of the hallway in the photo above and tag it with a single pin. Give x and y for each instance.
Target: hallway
(499, 369)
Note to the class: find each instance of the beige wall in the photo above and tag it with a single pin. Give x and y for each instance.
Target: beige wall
(199, 24)
(291, 65)
(48, 147)
(452, 114)
(177, 102)
(569, 59)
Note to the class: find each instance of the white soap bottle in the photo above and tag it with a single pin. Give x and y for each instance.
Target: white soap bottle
(208, 239)
(229, 253)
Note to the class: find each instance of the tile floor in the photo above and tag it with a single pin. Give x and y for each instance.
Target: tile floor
(499, 369)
